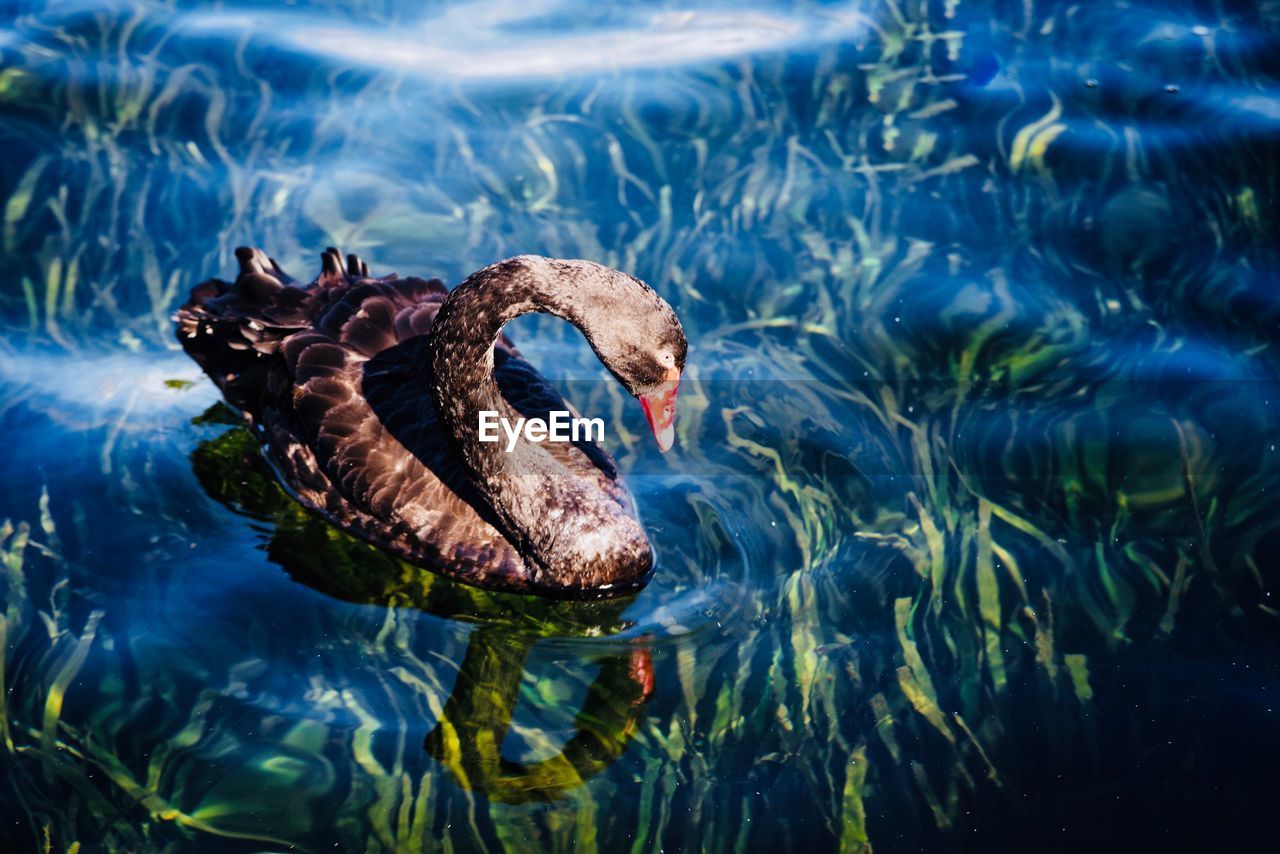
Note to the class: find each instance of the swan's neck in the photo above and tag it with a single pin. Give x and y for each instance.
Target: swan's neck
(533, 494)
(461, 343)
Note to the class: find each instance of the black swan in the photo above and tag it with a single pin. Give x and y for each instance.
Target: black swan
(366, 394)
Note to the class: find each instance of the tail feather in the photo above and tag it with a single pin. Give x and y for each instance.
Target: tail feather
(229, 327)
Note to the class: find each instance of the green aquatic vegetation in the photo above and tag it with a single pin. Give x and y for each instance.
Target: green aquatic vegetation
(471, 718)
(960, 470)
(44, 764)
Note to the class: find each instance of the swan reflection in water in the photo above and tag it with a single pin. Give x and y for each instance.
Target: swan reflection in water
(477, 716)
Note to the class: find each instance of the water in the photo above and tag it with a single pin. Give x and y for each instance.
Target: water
(968, 538)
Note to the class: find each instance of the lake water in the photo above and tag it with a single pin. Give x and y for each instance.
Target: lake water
(969, 538)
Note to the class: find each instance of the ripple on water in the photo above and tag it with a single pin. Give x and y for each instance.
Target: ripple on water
(511, 42)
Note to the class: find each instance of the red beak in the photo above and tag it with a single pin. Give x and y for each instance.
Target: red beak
(660, 408)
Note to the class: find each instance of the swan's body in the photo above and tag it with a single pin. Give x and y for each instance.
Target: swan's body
(365, 394)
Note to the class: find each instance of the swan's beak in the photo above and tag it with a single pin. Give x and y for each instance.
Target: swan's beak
(660, 408)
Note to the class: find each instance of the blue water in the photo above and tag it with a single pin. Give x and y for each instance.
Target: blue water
(967, 542)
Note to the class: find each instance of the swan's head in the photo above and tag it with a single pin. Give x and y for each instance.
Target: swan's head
(633, 331)
(639, 339)
(651, 366)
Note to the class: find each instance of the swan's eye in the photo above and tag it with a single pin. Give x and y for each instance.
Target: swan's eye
(666, 360)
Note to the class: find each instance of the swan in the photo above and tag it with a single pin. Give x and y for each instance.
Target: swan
(366, 393)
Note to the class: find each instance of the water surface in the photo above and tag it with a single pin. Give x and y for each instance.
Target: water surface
(968, 538)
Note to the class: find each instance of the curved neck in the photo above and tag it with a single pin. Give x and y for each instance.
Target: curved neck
(462, 339)
(523, 484)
